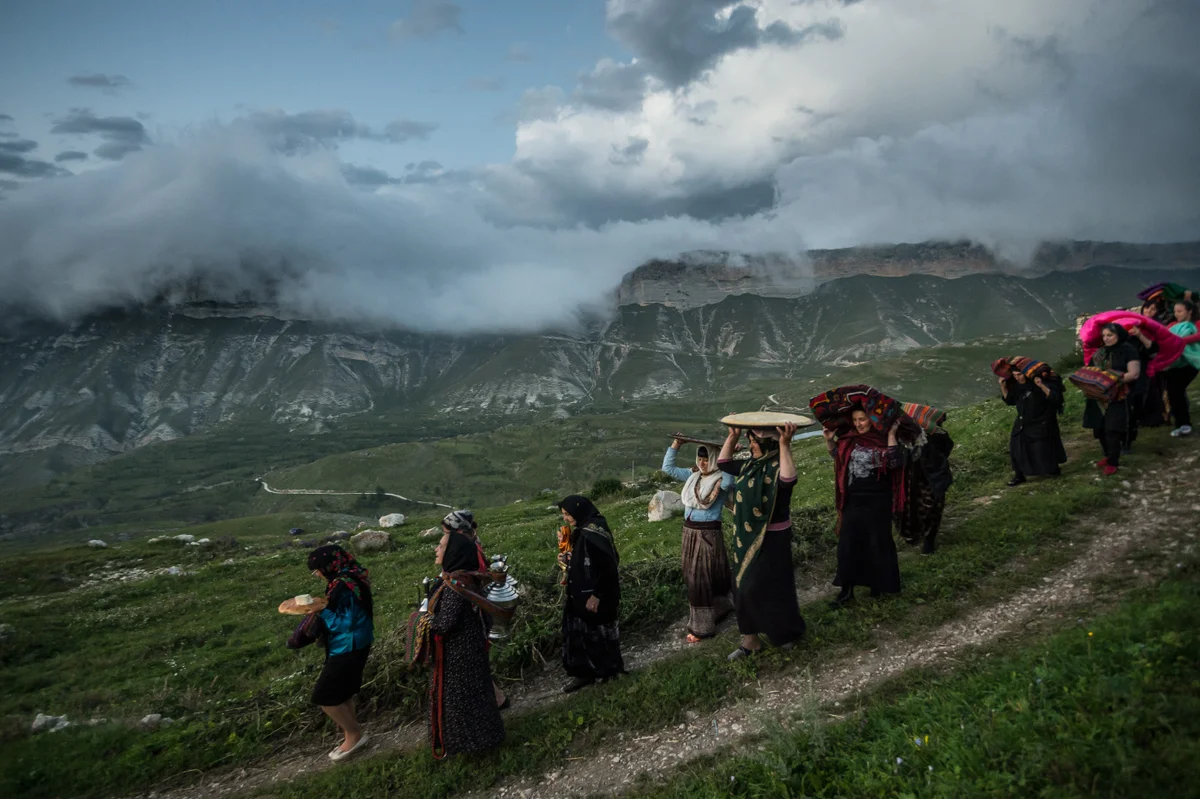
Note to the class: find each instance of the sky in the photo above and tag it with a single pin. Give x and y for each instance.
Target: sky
(478, 165)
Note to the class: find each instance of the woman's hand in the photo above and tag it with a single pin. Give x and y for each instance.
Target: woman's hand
(892, 433)
(592, 604)
(829, 434)
(734, 434)
(785, 433)
(676, 443)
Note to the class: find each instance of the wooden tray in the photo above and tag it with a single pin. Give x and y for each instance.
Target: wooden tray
(770, 419)
(289, 606)
(693, 440)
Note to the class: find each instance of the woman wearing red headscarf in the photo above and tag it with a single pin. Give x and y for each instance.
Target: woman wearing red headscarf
(869, 488)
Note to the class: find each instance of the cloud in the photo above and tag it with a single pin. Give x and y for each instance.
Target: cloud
(292, 132)
(630, 153)
(109, 83)
(535, 104)
(401, 130)
(18, 146)
(427, 19)
(366, 176)
(519, 53)
(5, 118)
(122, 135)
(485, 84)
(611, 86)
(13, 164)
(71, 155)
(10, 185)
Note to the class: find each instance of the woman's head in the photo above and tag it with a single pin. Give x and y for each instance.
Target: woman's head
(1113, 334)
(1152, 308)
(328, 561)
(577, 509)
(762, 442)
(703, 462)
(1019, 376)
(1185, 311)
(456, 552)
(459, 521)
(862, 422)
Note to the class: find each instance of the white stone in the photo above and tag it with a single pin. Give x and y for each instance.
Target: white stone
(228, 562)
(45, 723)
(371, 541)
(391, 520)
(174, 571)
(203, 541)
(96, 543)
(151, 721)
(664, 505)
(432, 531)
(185, 538)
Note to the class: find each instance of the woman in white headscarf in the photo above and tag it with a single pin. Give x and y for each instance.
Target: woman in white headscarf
(705, 562)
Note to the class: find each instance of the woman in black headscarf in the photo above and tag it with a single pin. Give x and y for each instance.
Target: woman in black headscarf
(1035, 444)
(1110, 422)
(347, 629)
(463, 716)
(591, 634)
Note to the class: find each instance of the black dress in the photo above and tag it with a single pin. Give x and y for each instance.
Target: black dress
(866, 553)
(1035, 446)
(1111, 425)
(926, 482)
(463, 712)
(592, 641)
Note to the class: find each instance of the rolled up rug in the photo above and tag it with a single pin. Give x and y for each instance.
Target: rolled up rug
(1099, 384)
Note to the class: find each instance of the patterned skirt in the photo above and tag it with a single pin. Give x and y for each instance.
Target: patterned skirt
(590, 650)
(707, 576)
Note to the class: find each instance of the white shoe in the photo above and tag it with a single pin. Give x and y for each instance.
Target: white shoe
(337, 755)
(1186, 430)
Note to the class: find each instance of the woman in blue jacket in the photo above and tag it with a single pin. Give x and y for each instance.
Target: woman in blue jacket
(346, 628)
(705, 562)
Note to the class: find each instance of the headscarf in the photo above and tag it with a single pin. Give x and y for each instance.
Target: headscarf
(462, 522)
(701, 490)
(584, 512)
(341, 569)
(1106, 352)
(1032, 369)
(461, 554)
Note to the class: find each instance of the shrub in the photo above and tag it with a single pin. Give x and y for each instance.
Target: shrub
(606, 487)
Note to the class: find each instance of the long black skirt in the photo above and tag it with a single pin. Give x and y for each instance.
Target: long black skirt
(765, 599)
(866, 553)
(590, 650)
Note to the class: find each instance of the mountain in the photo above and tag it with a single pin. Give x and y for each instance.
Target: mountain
(72, 395)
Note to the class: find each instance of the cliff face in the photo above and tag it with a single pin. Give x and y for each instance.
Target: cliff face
(123, 380)
(704, 278)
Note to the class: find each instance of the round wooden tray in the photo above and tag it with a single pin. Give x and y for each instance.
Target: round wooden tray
(769, 419)
(289, 606)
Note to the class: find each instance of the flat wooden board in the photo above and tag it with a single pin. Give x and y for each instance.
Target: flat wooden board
(290, 607)
(770, 419)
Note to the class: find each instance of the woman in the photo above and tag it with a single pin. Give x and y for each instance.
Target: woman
(1183, 371)
(705, 563)
(1035, 445)
(1147, 401)
(347, 629)
(869, 488)
(463, 522)
(1110, 422)
(463, 716)
(764, 579)
(925, 486)
(591, 633)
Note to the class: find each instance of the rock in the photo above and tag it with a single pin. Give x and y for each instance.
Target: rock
(664, 505)
(175, 571)
(158, 539)
(371, 541)
(431, 532)
(391, 520)
(96, 543)
(547, 491)
(151, 722)
(340, 535)
(228, 562)
(185, 538)
(45, 723)
(203, 541)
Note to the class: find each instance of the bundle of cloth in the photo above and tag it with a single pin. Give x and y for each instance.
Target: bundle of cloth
(1170, 346)
(1168, 292)
(834, 407)
(927, 416)
(1032, 368)
(1099, 384)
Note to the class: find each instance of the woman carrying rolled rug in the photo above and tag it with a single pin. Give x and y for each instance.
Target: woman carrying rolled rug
(1110, 421)
(869, 488)
(705, 562)
(1035, 445)
(1183, 371)
(927, 479)
(463, 716)
(764, 579)
(591, 632)
(346, 627)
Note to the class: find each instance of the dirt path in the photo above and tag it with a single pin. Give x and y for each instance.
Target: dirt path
(1161, 492)
(1167, 517)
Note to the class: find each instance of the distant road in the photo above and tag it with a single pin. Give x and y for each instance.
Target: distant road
(322, 492)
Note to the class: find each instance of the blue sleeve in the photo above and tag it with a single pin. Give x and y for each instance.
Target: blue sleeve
(341, 616)
(670, 469)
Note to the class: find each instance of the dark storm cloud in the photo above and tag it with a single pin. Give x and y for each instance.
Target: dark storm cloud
(402, 130)
(5, 118)
(611, 86)
(427, 19)
(18, 146)
(28, 168)
(96, 80)
(366, 176)
(10, 185)
(679, 40)
(71, 155)
(294, 132)
(630, 153)
(122, 135)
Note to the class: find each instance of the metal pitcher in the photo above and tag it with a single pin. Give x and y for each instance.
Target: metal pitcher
(503, 594)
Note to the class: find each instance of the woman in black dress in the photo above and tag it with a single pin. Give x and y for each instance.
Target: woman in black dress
(869, 478)
(1035, 446)
(463, 716)
(591, 633)
(764, 595)
(1110, 422)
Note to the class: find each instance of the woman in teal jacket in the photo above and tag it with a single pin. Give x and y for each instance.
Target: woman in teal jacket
(1180, 374)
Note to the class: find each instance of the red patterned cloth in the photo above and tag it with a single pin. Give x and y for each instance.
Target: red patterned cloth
(929, 417)
(1099, 384)
(834, 407)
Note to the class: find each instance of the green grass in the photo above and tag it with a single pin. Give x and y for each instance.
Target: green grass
(1107, 708)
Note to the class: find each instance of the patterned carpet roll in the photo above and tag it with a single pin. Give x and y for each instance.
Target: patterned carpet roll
(1099, 384)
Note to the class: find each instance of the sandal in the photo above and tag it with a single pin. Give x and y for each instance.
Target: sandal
(741, 652)
(692, 639)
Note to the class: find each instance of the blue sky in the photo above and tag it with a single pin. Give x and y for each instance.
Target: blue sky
(397, 158)
(189, 62)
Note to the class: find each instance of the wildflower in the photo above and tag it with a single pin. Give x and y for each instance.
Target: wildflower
(1089, 633)
(931, 768)
(917, 741)
(899, 760)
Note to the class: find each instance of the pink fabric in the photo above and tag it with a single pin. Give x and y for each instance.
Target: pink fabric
(1170, 346)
